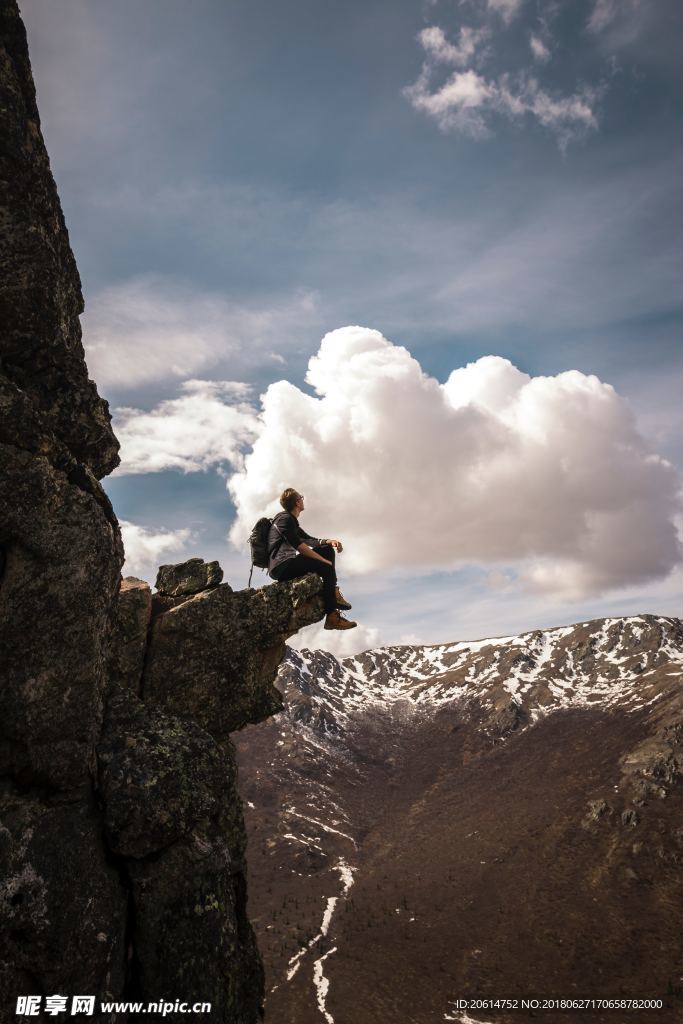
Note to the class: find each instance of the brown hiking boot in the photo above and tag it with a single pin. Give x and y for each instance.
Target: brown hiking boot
(341, 600)
(335, 620)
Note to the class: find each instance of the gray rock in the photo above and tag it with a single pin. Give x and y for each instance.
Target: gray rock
(597, 810)
(213, 657)
(192, 939)
(158, 776)
(507, 717)
(189, 577)
(62, 905)
(130, 632)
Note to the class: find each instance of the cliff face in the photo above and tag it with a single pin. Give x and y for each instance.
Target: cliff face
(61, 902)
(121, 835)
(187, 669)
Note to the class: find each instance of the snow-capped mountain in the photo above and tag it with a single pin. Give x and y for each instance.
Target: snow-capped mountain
(496, 818)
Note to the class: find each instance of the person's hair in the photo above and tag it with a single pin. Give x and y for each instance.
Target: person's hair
(289, 498)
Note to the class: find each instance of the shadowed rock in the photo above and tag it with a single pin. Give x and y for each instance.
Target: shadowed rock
(121, 835)
(168, 781)
(133, 615)
(62, 906)
(214, 656)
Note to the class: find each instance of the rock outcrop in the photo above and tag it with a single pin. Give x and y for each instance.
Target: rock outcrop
(121, 833)
(190, 669)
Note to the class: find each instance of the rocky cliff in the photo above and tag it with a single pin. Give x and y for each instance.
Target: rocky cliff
(121, 833)
(189, 665)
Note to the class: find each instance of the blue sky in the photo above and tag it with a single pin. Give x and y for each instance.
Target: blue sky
(474, 178)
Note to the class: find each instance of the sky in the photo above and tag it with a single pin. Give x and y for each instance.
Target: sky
(421, 261)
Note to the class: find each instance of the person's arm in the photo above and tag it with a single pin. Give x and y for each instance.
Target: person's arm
(309, 538)
(321, 540)
(306, 549)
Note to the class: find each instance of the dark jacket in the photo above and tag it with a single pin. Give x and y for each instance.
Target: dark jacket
(284, 538)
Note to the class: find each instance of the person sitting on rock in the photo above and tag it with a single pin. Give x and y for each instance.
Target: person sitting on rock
(292, 552)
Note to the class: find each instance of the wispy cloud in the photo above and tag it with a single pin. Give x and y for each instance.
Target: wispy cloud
(539, 49)
(469, 101)
(435, 43)
(208, 426)
(153, 328)
(459, 105)
(573, 253)
(604, 12)
(651, 31)
(507, 9)
(144, 547)
(415, 268)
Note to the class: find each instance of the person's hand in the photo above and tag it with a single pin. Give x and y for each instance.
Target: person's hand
(337, 545)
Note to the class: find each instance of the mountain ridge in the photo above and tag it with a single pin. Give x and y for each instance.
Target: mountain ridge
(431, 789)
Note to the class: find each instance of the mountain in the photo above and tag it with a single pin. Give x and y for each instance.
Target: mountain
(500, 818)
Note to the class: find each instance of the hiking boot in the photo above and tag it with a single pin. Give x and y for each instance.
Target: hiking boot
(341, 600)
(335, 620)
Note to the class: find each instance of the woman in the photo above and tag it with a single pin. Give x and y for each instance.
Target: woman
(292, 552)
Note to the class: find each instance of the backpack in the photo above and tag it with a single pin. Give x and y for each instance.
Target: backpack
(258, 542)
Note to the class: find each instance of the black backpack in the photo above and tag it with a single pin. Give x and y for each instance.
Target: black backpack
(258, 542)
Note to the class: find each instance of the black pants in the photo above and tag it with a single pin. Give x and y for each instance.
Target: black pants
(302, 565)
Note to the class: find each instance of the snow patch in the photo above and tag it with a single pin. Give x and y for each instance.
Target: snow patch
(322, 985)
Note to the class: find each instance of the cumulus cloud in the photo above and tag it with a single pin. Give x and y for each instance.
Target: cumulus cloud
(151, 328)
(144, 547)
(546, 475)
(467, 101)
(208, 425)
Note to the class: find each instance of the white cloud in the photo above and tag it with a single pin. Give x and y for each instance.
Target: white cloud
(466, 101)
(143, 547)
(340, 643)
(208, 425)
(507, 9)
(548, 474)
(456, 104)
(539, 49)
(569, 117)
(436, 45)
(151, 328)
